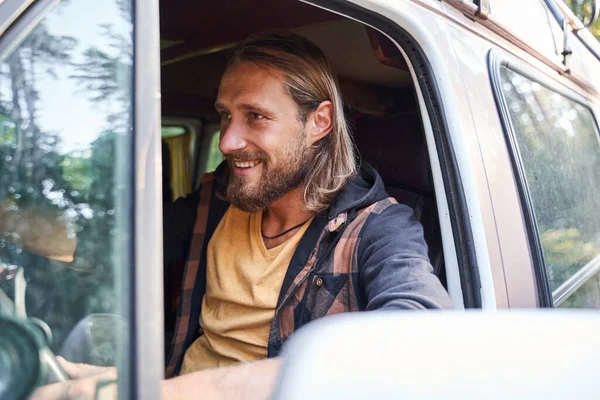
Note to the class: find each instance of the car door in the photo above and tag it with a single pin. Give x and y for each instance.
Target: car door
(80, 222)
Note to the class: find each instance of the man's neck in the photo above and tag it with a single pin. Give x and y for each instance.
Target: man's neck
(284, 213)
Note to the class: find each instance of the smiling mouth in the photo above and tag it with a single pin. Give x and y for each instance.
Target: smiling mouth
(246, 164)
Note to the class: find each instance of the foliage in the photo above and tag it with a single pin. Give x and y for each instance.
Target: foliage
(566, 250)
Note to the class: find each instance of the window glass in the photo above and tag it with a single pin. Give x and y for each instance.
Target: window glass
(560, 152)
(172, 131)
(215, 157)
(179, 165)
(65, 176)
(587, 296)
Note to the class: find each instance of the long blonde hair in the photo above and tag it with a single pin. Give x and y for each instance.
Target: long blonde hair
(309, 80)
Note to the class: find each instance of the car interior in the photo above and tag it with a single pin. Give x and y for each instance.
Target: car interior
(381, 105)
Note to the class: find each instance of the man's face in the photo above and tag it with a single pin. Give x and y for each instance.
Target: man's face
(262, 138)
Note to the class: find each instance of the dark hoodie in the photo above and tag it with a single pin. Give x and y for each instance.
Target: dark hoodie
(365, 252)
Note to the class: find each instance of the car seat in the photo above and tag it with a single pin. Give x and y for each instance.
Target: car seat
(395, 146)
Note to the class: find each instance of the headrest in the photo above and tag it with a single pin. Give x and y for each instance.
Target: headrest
(395, 146)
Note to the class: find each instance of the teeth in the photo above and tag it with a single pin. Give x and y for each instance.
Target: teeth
(245, 164)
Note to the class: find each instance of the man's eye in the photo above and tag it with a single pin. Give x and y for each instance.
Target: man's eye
(225, 115)
(256, 116)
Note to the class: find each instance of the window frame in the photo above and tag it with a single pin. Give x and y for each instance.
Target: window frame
(17, 23)
(496, 60)
(10, 11)
(147, 322)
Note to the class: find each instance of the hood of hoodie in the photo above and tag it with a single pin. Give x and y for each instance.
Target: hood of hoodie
(363, 190)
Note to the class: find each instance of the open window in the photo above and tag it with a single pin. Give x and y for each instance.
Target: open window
(379, 89)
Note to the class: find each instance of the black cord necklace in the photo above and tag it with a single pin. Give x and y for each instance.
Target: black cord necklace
(284, 232)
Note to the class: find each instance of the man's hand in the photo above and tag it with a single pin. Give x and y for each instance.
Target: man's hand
(85, 379)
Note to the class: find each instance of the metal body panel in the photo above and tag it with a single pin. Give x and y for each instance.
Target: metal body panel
(519, 276)
(582, 75)
(529, 20)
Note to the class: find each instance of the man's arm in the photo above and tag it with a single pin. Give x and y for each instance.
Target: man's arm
(254, 380)
(394, 266)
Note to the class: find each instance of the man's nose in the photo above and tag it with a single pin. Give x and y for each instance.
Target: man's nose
(232, 138)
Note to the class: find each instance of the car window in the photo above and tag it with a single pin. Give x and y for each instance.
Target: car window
(66, 173)
(172, 131)
(215, 157)
(559, 150)
(178, 143)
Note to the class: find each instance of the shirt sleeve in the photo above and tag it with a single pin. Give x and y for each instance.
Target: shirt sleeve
(394, 267)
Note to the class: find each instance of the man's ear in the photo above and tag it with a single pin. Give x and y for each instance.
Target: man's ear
(320, 122)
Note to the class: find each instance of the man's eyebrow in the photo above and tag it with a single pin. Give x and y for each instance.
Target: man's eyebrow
(254, 107)
(248, 107)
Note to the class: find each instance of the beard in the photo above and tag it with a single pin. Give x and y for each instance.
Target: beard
(275, 180)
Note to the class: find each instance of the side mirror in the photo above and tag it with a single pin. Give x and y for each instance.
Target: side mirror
(593, 16)
(573, 15)
(580, 11)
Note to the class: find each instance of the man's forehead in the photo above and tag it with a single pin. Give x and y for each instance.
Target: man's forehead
(249, 83)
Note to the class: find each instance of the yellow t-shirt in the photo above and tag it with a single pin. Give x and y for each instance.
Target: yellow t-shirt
(243, 281)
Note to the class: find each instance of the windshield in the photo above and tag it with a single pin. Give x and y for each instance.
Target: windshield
(65, 175)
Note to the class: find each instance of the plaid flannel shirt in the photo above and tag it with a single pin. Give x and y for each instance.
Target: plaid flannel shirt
(337, 266)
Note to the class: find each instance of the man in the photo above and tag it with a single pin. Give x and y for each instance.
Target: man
(287, 230)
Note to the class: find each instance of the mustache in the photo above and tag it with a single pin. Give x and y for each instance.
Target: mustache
(246, 156)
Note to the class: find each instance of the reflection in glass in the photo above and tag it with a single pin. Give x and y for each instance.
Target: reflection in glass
(560, 151)
(65, 165)
(215, 157)
(587, 296)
